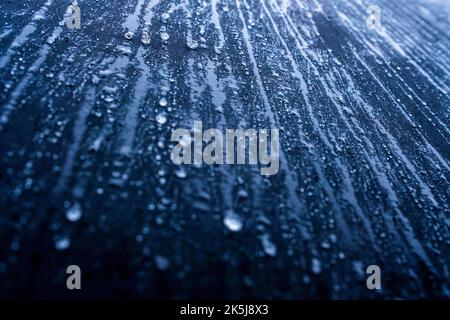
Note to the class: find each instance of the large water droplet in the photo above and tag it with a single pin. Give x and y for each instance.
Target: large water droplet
(164, 36)
(165, 16)
(181, 173)
(232, 221)
(145, 39)
(269, 247)
(105, 73)
(161, 119)
(74, 213)
(95, 79)
(110, 89)
(162, 263)
(129, 35)
(62, 243)
(108, 99)
(325, 245)
(192, 44)
(163, 102)
(316, 266)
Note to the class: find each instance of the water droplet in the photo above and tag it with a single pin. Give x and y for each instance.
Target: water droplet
(15, 246)
(232, 221)
(165, 16)
(161, 119)
(95, 79)
(145, 39)
(62, 243)
(242, 194)
(325, 245)
(316, 266)
(95, 146)
(74, 213)
(51, 40)
(105, 73)
(162, 263)
(108, 99)
(181, 173)
(129, 35)
(164, 36)
(163, 102)
(192, 44)
(269, 247)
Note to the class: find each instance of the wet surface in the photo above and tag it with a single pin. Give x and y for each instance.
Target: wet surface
(85, 124)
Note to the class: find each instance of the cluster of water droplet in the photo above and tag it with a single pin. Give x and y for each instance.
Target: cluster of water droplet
(165, 36)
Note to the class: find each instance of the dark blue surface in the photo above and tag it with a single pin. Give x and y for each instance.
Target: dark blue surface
(364, 132)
